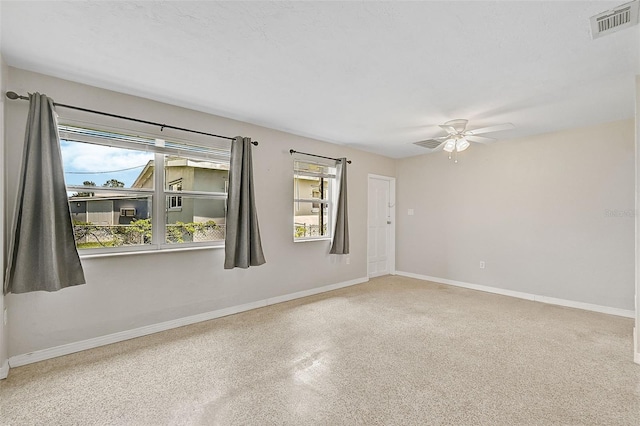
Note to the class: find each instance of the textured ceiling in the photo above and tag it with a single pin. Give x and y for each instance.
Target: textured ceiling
(372, 75)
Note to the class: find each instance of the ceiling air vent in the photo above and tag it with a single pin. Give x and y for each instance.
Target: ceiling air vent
(623, 16)
(429, 143)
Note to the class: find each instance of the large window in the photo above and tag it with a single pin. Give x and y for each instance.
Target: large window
(313, 191)
(130, 193)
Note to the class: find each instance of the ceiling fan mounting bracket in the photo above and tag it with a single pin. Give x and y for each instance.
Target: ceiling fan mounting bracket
(458, 124)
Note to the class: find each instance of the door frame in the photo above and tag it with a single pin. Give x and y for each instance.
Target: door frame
(392, 213)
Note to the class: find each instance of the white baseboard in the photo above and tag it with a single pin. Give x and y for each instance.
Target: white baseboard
(527, 296)
(380, 274)
(4, 370)
(311, 292)
(41, 355)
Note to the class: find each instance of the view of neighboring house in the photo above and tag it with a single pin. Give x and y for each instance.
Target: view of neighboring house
(184, 174)
(307, 187)
(116, 209)
(308, 216)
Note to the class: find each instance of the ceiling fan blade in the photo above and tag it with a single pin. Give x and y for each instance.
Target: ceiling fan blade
(432, 144)
(480, 139)
(491, 129)
(449, 129)
(438, 138)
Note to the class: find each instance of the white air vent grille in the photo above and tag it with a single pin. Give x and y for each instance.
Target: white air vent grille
(429, 143)
(621, 17)
(608, 22)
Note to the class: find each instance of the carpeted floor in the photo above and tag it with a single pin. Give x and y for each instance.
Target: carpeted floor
(394, 351)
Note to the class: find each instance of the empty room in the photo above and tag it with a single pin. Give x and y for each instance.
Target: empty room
(319, 213)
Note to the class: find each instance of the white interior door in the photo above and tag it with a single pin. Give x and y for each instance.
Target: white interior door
(381, 235)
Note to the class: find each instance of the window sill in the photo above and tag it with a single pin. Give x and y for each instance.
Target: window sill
(150, 251)
(307, 240)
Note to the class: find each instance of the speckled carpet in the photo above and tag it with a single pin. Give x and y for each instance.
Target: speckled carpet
(394, 351)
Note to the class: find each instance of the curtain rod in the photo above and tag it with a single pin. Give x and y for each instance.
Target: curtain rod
(291, 151)
(14, 95)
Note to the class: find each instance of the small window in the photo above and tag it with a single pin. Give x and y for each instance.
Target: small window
(175, 201)
(128, 212)
(313, 187)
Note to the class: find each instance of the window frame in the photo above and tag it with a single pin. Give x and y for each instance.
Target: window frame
(160, 193)
(329, 201)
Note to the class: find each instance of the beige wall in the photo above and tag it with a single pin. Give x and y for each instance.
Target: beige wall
(551, 215)
(125, 292)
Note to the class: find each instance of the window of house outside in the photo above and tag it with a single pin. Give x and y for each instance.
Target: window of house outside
(129, 193)
(175, 201)
(314, 185)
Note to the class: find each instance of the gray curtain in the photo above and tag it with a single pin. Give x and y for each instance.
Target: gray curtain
(340, 243)
(43, 254)
(243, 247)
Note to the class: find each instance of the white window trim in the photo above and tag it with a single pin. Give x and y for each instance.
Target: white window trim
(145, 250)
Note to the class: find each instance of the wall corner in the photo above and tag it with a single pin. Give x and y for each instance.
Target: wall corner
(636, 330)
(4, 350)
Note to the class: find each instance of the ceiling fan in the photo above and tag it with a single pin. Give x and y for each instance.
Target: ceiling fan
(458, 138)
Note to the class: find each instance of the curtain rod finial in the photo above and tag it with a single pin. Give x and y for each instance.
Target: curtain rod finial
(254, 143)
(13, 95)
(291, 151)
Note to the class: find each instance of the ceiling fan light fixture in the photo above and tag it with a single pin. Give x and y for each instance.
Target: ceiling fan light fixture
(462, 144)
(449, 145)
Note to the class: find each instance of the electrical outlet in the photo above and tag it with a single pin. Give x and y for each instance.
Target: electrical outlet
(348, 260)
(482, 264)
(410, 212)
